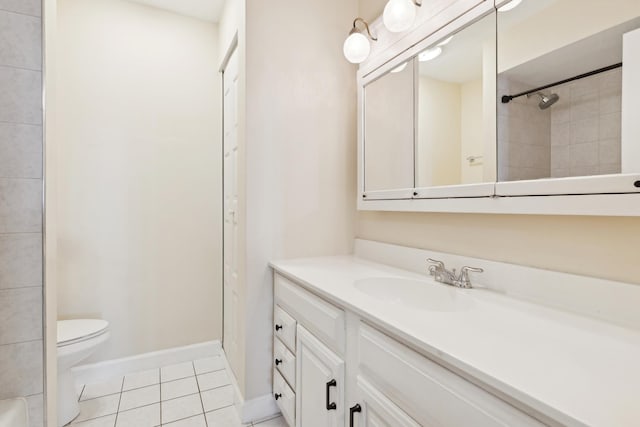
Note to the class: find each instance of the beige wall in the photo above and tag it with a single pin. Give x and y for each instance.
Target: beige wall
(438, 154)
(471, 134)
(139, 231)
(300, 151)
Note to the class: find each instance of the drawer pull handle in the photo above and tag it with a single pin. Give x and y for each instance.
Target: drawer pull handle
(277, 396)
(353, 410)
(278, 327)
(330, 405)
(278, 361)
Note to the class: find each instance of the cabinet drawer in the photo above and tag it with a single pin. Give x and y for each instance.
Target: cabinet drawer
(323, 319)
(285, 362)
(284, 327)
(428, 392)
(285, 398)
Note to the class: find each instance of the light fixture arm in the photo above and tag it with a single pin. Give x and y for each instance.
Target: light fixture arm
(417, 2)
(355, 28)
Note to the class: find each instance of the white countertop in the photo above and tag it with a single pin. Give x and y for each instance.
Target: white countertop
(574, 369)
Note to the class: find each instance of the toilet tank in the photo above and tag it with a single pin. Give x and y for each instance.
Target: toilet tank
(13, 413)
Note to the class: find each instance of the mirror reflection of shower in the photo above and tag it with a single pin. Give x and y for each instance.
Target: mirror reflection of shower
(545, 101)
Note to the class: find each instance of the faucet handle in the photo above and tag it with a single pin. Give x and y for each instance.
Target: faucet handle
(463, 281)
(436, 262)
(435, 266)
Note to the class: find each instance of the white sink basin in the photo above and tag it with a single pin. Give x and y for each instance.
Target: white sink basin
(415, 294)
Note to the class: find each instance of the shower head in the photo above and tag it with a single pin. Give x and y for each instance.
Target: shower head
(545, 101)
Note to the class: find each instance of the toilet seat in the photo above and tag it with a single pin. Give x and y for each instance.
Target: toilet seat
(79, 330)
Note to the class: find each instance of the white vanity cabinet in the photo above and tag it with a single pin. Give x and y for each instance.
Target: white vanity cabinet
(374, 380)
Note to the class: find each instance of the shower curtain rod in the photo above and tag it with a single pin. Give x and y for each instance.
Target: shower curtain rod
(507, 98)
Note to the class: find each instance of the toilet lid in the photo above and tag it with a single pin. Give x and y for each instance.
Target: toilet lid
(70, 331)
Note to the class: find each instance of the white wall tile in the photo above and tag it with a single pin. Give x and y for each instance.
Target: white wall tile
(20, 205)
(20, 260)
(36, 410)
(20, 96)
(20, 40)
(21, 151)
(610, 151)
(21, 372)
(584, 154)
(610, 126)
(584, 130)
(27, 7)
(20, 315)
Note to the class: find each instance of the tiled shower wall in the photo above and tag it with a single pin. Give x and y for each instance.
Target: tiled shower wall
(21, 309)
(586, 126)
(577, 136)
(524, 144)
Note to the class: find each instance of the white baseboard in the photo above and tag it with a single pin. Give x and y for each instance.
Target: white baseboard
(253, 410)
(96, 372)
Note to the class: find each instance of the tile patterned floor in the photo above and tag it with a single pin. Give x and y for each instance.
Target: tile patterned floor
(191, 394)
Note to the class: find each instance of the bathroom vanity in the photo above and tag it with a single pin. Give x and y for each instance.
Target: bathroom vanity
(359, 343)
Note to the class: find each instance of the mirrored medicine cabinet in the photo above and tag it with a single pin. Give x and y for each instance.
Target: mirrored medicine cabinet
(507, 104)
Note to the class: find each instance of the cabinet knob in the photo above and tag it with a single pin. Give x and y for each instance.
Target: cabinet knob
(352, 411)
(277, 396)
(330, 405)
(278, 327)
(278, 361)
(636, 184)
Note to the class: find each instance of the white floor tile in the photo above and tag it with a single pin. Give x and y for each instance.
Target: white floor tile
(197, 421)
(209, 364)
(141, 379)
(99, 407)
(213, 380)
(217, 398)
(176, 372)
(91, 391)
(274, 422)
(182, 407)
(107, 421)
(140, 397)
(146, 416)
(179, 388)
(225, 417)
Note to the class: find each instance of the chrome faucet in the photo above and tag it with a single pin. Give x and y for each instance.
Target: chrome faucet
(440, 273)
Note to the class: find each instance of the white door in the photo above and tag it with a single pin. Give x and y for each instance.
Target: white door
(319, 383)
(374, 409)
(230, 236)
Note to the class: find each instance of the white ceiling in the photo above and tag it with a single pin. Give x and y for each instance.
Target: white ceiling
(207, 10)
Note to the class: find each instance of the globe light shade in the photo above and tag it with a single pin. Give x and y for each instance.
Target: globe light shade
(356, 48)
(430, 54)
(509, 6)
(399, 15)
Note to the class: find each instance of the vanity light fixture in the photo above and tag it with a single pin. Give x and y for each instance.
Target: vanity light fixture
(509, 6)
(399, 68)
(430, 54)
(445, 41)
(399, 15)
(357, 47)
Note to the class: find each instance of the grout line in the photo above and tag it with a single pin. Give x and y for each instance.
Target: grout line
(160, 385)
(20, 287)
(193, 366)
(21, 342)
(21, 13)
(115, 422)
(8, 122)
(15, 67)
(81, 391)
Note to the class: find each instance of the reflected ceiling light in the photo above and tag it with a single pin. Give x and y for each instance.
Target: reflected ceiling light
(357, 47)
(445, 41)
(399, 68)
(430, 54)
(511, 5)
(399, 15)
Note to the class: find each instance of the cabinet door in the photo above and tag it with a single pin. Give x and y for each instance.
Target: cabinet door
(375, 410)
(319, 383)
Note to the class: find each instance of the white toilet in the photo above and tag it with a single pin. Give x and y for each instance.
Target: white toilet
(77, 340)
